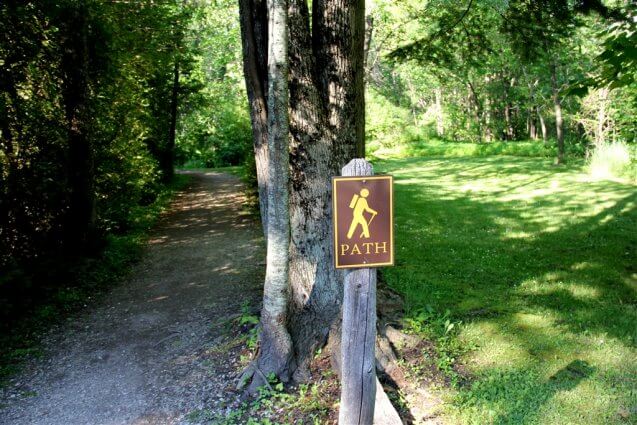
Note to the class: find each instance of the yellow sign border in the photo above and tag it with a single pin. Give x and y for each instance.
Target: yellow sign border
(335, 220)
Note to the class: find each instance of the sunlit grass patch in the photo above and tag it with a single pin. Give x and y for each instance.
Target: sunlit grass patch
(418, 145)
(536, 265)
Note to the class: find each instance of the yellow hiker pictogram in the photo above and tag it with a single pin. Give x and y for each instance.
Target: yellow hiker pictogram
(360, 206)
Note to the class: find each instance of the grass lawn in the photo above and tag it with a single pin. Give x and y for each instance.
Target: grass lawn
(526, 274)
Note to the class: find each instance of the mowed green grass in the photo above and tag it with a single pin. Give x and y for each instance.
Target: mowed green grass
(537, 266)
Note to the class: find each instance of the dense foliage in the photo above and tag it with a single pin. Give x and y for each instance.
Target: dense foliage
(88, 98)
(515, 266)
(214, 125)
(91, 93)
(494, 70)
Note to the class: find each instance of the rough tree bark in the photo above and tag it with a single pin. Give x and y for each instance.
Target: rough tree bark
(80, 222)
(326, 106)
(254, 27)
(326, 60)
(327, 122)
(275, 343)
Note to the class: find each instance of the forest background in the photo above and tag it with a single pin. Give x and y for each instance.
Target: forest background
(99, 101)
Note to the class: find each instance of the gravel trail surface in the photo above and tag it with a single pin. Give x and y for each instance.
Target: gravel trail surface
(150, 351)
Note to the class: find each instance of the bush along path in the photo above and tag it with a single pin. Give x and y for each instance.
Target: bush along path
(156, 348)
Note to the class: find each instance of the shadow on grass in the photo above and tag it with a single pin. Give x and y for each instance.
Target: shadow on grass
(532, 251)
(515, 397)
(597, 251)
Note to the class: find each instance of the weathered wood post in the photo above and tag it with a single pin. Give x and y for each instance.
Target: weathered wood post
(358, 382)
(358, 364)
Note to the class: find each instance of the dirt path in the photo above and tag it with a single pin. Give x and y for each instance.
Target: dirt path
(146, 354)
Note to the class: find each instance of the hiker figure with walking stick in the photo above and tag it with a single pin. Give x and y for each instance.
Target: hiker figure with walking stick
(359, 204)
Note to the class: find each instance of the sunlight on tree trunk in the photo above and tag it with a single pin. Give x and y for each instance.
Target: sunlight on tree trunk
(276, 355)
(557, 103)
(440, 124)
(600, 133)
(542, 123)
(327, 129)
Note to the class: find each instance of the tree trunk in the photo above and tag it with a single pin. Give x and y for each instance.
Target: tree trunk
(168, 156)
(327, 127)
(477, 109)
(508, 132)
(80, 222)
(558, 114)
(507, 121)
(440, 124)
(542, 123)
(254, 27)
(488, 133)
(600, 135)
(369, 32)
(338, 38)
(326, 69)
(531, 123)
(276, 354)
(412, 105)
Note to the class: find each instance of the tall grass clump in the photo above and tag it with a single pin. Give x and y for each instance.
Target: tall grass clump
(611, 160)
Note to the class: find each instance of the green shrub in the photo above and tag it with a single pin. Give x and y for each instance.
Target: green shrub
(387, 125)
(610, 160)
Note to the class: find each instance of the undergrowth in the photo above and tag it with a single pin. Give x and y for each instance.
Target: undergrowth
(441, 329)
(273, 404)
(432, 146)
(59, 287)
(613, 160)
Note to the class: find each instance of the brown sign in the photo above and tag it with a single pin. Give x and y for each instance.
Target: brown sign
(363, 221)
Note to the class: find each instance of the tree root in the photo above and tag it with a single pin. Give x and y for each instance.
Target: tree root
(384, 412)
(260, 373)
(254, 376)
(248, 376)
(386, 362)
(422, 404)
(244, 377)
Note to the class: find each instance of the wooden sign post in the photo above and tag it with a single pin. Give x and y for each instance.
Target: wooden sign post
(363, 237)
